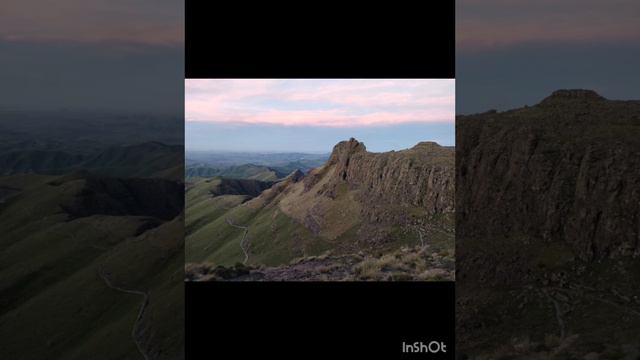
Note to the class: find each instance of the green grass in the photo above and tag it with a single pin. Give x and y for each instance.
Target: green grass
(209, 209)
(63, 288)
(275, 238)
(53, 303)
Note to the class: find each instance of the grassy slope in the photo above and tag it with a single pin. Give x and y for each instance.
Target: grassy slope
(202, 207)
(269, 175)
(54, 304)
(275, 238)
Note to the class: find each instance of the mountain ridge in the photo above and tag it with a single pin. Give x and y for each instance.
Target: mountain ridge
(356, 201)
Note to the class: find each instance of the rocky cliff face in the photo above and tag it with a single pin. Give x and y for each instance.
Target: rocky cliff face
(566, 170)
(421, 176)
(381, 198)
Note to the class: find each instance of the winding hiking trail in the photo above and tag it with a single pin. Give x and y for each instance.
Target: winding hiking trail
(243, 244)
(103, 275)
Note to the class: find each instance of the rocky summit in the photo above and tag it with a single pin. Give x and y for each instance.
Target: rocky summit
(575, 96)
(421, 176)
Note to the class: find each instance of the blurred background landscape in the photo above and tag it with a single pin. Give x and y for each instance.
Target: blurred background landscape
(547, 156)
(91, 180)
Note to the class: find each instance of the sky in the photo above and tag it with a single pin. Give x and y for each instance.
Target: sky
(128, 55)
(313, 115)
(511, 53)
(116, 55)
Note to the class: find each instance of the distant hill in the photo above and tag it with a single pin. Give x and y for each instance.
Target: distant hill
(246, 171)
(219, 159)
(356, 202)
(257, 166)
(89, 129)
(303, 165)
(151, 159)
(37, 161)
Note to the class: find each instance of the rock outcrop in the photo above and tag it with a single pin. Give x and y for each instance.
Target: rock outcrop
(296, 175)
(566, 170)
(576, 97)
(422, 176)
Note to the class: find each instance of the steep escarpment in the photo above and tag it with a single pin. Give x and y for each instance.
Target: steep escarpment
(566, 170)
(421, 176)
(547, 225)
(386, 191)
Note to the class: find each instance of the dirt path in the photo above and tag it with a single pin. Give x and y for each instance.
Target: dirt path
(104, 276)
(243, 244)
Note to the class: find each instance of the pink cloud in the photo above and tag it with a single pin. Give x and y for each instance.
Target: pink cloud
(97, 21)
(336, 118)
(326, 103)
(497, 23)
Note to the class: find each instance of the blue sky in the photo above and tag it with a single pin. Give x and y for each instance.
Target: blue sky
(313, 115)
(517, 52)
(274, 138)
(99, 55)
